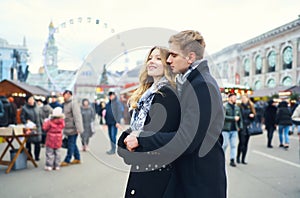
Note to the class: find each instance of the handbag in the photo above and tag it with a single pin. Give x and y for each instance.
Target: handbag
(254, 128)
(65, 142)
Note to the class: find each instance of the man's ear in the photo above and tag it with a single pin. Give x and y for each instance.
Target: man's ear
(191, 57)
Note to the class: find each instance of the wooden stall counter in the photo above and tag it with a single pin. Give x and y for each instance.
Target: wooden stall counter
(9, 134)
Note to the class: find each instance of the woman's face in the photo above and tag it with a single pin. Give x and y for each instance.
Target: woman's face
(244, 99)
(155, 67)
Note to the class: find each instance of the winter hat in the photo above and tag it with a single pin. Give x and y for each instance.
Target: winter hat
(57, 113)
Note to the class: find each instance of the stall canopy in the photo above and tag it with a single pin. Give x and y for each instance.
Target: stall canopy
(20, 89)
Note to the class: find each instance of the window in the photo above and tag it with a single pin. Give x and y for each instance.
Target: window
(258, 64)
(271, 61)
(271, 83)
(257, 85)
(247, 67)
(287, 81)
(287, 57)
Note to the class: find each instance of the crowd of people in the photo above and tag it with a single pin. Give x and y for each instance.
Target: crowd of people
(273, 115)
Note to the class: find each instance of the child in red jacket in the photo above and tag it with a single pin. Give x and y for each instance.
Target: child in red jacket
(53, 128)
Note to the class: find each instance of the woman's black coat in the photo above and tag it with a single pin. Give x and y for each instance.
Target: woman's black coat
(149, 176)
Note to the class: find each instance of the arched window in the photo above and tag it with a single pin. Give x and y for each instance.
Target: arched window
(247, 66)
(258, 64)
(287, 58)
(287, 81)
(271, 61)
(257, 85)
(271, 83)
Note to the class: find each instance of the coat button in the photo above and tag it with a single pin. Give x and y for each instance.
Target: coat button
(132, 192)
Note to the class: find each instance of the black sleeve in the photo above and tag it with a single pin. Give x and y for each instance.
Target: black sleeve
(164, 115)
(202, 120)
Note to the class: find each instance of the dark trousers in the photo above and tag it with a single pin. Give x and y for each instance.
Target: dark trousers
(37, 149)
(270, 130)
(243, 145)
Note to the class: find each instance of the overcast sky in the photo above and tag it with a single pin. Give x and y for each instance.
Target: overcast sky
(221, 22)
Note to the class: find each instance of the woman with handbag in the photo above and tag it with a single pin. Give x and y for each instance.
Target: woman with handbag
(248, 114)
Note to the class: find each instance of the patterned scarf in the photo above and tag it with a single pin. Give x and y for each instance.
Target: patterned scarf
(143, 107)
(181, 78)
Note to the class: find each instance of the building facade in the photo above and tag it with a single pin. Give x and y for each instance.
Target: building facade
(13, 61)
(269, 60)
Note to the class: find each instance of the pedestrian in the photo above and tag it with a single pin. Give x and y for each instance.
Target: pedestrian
(88, 118)
(4, 121)
(13, 117)
(113, 115)
(102, 112)
(54, 102)
(270, 121)
(248, 116)
(1, 110)
(30, 114)
(53, 128)
(45, 111)
(196, 146)
(296, 118)
(73, 127)
(284, 121)
(157, 87)
(233, 124)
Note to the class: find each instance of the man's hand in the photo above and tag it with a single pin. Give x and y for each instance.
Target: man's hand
(236, 118)
(131, 142)
(118, 125)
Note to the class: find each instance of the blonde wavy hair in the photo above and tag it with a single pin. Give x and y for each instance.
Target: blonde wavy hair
(189, 41)
(146, 81)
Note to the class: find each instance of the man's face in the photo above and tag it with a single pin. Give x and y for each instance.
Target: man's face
(232, 99)
(112, 96)
(66, 96)
(178, 62)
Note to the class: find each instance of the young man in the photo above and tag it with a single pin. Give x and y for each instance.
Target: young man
(113, 116)
(232, 124)
(196, 146)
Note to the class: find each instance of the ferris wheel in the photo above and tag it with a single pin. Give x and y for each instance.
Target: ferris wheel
(68, 45)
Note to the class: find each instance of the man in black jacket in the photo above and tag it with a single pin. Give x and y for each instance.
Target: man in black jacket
(197, 145)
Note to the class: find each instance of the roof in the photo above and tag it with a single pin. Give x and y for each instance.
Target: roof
(34, 90)
(294, 89)
(268, 91)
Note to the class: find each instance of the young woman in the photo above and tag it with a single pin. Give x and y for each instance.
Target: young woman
(155, 107)
(248, 114)
(88, 117)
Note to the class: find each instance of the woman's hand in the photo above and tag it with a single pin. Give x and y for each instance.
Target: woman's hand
(131, 142)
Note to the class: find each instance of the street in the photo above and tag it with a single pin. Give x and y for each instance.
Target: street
(270, 173)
